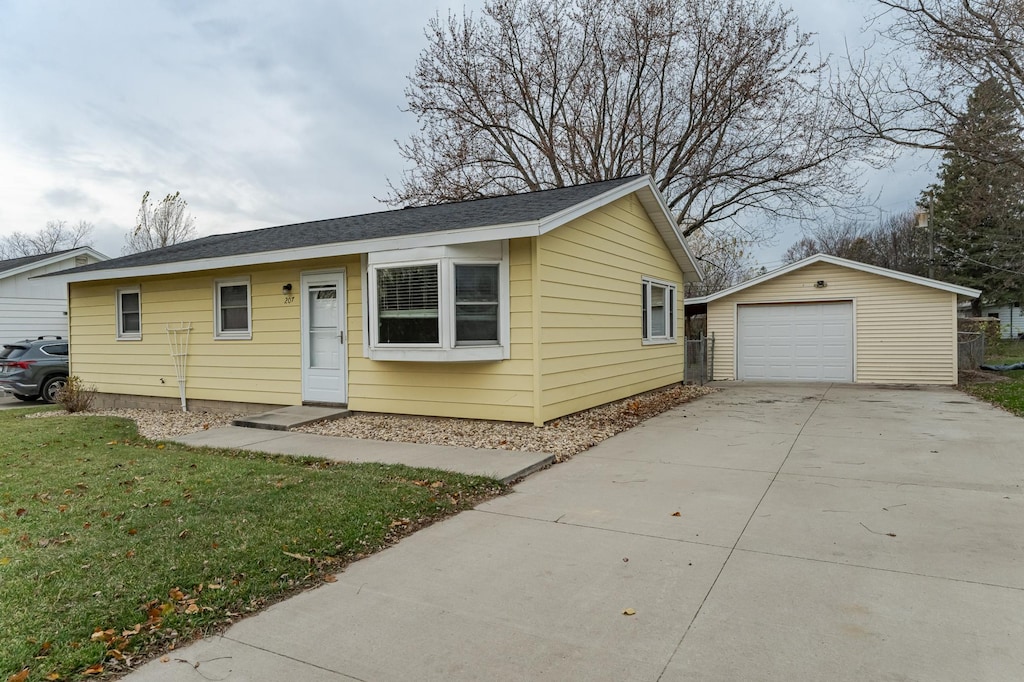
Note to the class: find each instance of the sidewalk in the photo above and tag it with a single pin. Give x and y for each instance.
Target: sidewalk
(504, 465)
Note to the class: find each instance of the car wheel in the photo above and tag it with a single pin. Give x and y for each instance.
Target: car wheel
(51, 387)
(26, 398)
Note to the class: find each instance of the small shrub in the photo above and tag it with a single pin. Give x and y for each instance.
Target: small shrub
(76, 396)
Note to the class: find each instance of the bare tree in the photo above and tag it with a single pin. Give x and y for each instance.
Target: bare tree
(168, 222)
(724, 259)
(56, 236)
(896, 243)
(716, 99)
(911, 85)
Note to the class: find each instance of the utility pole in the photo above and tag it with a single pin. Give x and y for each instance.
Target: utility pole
(926, 218)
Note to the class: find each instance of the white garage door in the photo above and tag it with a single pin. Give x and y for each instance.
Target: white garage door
(795, 342)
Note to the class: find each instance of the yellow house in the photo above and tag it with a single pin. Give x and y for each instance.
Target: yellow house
(520, 308)
(835, 320)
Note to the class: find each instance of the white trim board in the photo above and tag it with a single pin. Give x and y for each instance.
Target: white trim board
(841, 262)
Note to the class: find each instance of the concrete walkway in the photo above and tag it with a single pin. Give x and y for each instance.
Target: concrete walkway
(504, 465)
(772, 532)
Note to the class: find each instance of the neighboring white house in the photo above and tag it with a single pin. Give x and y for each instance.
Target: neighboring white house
(34, 307)
(1011, 319)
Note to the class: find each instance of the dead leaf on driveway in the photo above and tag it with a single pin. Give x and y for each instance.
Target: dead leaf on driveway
(629, 612)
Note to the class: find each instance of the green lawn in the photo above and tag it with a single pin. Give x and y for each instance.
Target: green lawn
(1007, 394)
(114, 548)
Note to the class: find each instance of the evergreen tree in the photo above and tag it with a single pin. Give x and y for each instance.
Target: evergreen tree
(978, 206)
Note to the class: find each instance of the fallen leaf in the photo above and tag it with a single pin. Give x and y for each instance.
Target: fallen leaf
(629, 612)
(330, 578)
(165, 503)
(93, 669)
(87, 525)
(62, 508)
(184, 534)
(215, 586)
(4, 560)
(54, 676)
(102, 635)
(300, 557)
(21, 512)
(132, 531)
(677, 514)
(191, 608)
(165, 659)
(113, 442)
(19, 677)
(129, 554)
(44, 649)
(160, 447)
(176, 594)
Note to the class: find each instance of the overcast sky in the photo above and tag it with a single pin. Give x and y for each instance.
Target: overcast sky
(260, 112)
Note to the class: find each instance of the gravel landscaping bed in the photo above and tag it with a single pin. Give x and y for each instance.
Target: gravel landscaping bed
(561, 437)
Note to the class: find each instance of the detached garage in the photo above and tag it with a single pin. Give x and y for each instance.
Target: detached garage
(834, 320)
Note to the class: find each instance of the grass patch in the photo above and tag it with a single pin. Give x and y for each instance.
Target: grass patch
(1007, 393)
(114, 548)
(1004, 352)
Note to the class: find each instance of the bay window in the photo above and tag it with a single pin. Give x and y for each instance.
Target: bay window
(438, 304)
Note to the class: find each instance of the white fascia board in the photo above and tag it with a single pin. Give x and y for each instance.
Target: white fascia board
(656, 208)
(56, 258)
(841, 262)
(446, 238)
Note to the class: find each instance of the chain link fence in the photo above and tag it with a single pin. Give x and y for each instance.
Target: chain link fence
(970, 349)
(700, 360)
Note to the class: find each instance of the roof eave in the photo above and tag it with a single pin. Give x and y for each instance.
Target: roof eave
(56, 258)
(965, 292)
(443, 238)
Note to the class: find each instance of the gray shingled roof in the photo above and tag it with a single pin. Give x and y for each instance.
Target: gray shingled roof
(14, 263)
(516, 208)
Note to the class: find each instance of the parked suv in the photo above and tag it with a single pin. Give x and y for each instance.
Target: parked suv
(34, 368)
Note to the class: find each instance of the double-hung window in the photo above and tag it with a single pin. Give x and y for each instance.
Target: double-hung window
(476, 305)
(438, 304)
(407, 304)
(659, 311)
(232, 309)
(129, 313)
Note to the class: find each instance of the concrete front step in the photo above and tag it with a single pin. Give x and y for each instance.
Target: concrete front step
(290, 417)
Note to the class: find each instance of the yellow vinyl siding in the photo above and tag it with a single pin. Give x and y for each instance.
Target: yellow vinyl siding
(589, 278)
(477, 390)
(264, 369)
(903, 332)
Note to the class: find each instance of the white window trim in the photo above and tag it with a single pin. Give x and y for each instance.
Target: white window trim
(218, 333)
(673, 291)
(446, 258)
(122, 335)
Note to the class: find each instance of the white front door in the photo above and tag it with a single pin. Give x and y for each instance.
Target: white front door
(324, 352)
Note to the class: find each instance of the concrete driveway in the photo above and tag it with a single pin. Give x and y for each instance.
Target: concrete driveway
(766, 532)
(7, 402)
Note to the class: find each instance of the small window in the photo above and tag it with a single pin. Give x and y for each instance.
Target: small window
(407, 305)
(233, 309)
(129, 314)
(58, 349)
(659, 311)
(476, 305)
